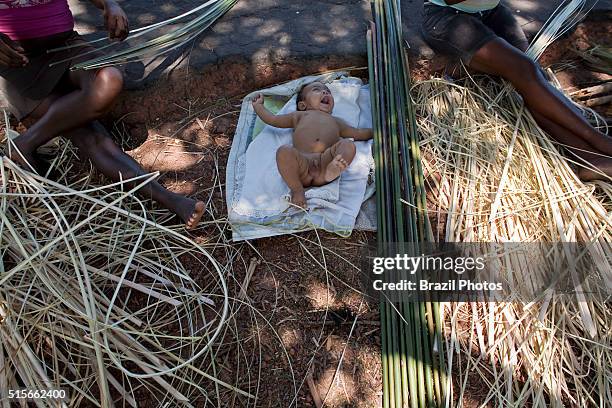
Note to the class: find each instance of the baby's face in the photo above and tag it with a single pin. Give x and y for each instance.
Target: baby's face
(317, 96)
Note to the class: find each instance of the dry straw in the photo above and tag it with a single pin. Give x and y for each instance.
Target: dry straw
(100, 300)
(494, 176)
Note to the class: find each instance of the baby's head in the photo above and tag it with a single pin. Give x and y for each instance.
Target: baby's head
(315, 96)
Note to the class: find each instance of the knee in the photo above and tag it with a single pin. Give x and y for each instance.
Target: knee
(111, 80)
(106, 87)
(285, 153)
(347, 149)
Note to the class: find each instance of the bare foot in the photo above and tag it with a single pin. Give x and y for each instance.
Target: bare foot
(335, 168)
(604, 167)
(298, 198)
(192, 213)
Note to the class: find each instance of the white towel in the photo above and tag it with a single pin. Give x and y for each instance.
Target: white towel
(264, 192)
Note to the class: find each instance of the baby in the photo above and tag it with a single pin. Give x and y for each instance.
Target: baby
(320, 151)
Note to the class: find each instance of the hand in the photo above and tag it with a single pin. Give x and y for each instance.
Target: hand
(116, 21)
(259, 100)
(11, 54)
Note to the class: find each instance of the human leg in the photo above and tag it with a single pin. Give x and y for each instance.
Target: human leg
(499, 58)
(493, 43)
(335, 160)
(94, 143)
(92, 95)
(294, 169)
(579, 148)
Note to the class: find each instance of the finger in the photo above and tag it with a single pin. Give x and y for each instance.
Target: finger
(13, 44)
(122, 31)
(9, 51)
(4, 61)
(111, 26)
(16, 47)
(13, 56)
(118, 27)
(10, 62)
(106, 20)
(126, 28)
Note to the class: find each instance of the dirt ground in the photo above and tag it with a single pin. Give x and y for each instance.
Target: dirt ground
(183, 127)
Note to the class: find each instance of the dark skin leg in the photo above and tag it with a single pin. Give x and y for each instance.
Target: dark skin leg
(94, 142)
(333, 164)
(300, 171)
(552, 110)
(90, 97)
(603, 163)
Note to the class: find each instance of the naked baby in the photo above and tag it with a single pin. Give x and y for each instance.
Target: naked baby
(321, 148)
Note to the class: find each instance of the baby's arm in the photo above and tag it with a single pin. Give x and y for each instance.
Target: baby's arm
(358, 134)
(279, 121)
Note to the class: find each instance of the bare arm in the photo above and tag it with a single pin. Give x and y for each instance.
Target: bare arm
(358, 134)
(115, 20)
(279, 121)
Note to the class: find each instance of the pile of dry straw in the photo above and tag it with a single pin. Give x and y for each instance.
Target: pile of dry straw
(494, 176)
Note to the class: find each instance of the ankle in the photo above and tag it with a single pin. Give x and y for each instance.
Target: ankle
(21, 142)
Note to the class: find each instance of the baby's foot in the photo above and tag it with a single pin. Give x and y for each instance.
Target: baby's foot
(298, 198)
(335, 168)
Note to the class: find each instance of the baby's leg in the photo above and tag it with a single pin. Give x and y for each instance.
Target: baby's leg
(336, 159)
(293, 167)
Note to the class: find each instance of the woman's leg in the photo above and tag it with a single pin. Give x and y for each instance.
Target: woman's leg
(580, 149)
(93, 94)
(497, 57)
(95, 143)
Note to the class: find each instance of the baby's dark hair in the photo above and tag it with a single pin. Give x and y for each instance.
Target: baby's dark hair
(300, 95)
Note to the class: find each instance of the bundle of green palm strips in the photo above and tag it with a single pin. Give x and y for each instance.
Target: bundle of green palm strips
(412, 356)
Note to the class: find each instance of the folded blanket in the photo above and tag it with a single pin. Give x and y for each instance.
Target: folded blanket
(258, 196)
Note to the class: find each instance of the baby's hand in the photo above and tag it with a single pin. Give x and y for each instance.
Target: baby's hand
(259, 100)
